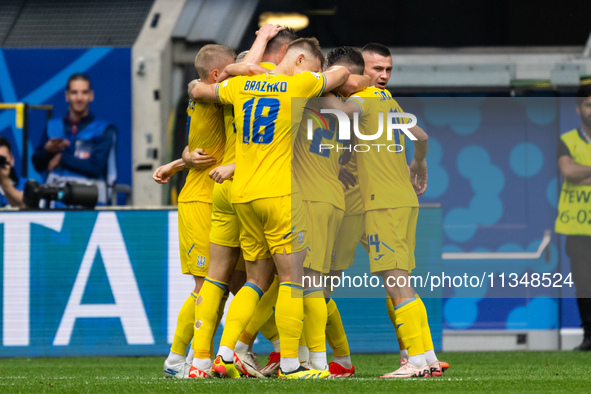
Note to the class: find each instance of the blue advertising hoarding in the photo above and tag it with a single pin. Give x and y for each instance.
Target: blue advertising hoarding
(109, 283)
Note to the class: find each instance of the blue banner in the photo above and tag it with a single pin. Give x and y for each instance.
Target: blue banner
(109, 283)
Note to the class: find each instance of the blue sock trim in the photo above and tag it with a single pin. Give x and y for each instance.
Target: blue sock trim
(221, 285)
(255, 288)
(312, 290)
(403, 303)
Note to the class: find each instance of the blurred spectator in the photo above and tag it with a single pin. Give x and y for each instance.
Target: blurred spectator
(574, 207)
(11, 186)
(78, 147)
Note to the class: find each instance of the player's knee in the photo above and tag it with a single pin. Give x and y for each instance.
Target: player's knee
(237, 280)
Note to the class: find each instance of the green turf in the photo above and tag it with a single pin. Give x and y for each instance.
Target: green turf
(476, 372)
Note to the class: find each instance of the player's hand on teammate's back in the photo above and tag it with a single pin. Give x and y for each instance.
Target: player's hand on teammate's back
(418, 176)
(347, 178)
(198, 159)
(222, 173)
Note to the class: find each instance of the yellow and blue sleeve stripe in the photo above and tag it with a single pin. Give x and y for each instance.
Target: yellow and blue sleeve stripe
(323, 84)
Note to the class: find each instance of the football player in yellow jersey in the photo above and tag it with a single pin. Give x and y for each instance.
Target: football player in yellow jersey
(224, 240)
(316, 173)
(263, 318)
(262, 192)
(391, 212)
(195, 200)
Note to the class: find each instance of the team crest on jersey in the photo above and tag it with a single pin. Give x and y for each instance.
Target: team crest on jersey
(300, 237)
(201, 261)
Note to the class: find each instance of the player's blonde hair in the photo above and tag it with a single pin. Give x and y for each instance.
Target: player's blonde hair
(212, 56)
(310, 45)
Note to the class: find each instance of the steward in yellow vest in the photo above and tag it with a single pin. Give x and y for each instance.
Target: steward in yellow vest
(574, 206)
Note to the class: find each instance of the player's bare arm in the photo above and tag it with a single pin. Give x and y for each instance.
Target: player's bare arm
(191, 85)
(572, 170)
(264, 35)
(355, 83)
(222, 173)
(197, 158)
(335, 76)
(243, 68)
(204, 92)
(165, 172)
(330, 101)
(418, 166)
(347, 178)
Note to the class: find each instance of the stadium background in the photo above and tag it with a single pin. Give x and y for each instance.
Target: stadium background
(497, 183)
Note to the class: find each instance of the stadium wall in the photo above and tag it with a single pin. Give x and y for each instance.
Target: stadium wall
(492, 166)
(109, 283)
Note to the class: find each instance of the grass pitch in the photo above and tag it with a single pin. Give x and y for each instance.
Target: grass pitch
(475, 372)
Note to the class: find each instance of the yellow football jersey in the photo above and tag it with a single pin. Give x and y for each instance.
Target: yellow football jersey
(353, 200)
(316, 170)
(383, 175)
(205, 128)
(263, 119)
(230, 149)
(268, 65)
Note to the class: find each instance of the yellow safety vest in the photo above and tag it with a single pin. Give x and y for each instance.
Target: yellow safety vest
(574, 206)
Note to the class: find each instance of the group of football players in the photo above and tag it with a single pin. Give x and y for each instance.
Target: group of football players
(266, 204)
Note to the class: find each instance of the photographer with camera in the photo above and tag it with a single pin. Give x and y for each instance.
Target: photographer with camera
(11, 186)
(78, 147)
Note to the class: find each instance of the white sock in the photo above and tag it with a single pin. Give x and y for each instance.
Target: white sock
(289, 364)
(241, 347)
(318, 361)
(276, 347)
(175, 358)
(303, 354)
(250, 346)
(344, 361)
(226, 353)
(418, 360)
(190, 355)
(404, 353)
(430, 356)
(202, 363)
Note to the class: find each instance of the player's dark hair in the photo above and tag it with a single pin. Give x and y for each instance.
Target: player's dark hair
(309, 44)
(78, 77)
(348, 55)
(6, 143)
(285, 36)
(241, 56)
(374, 47)
(583, 92)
